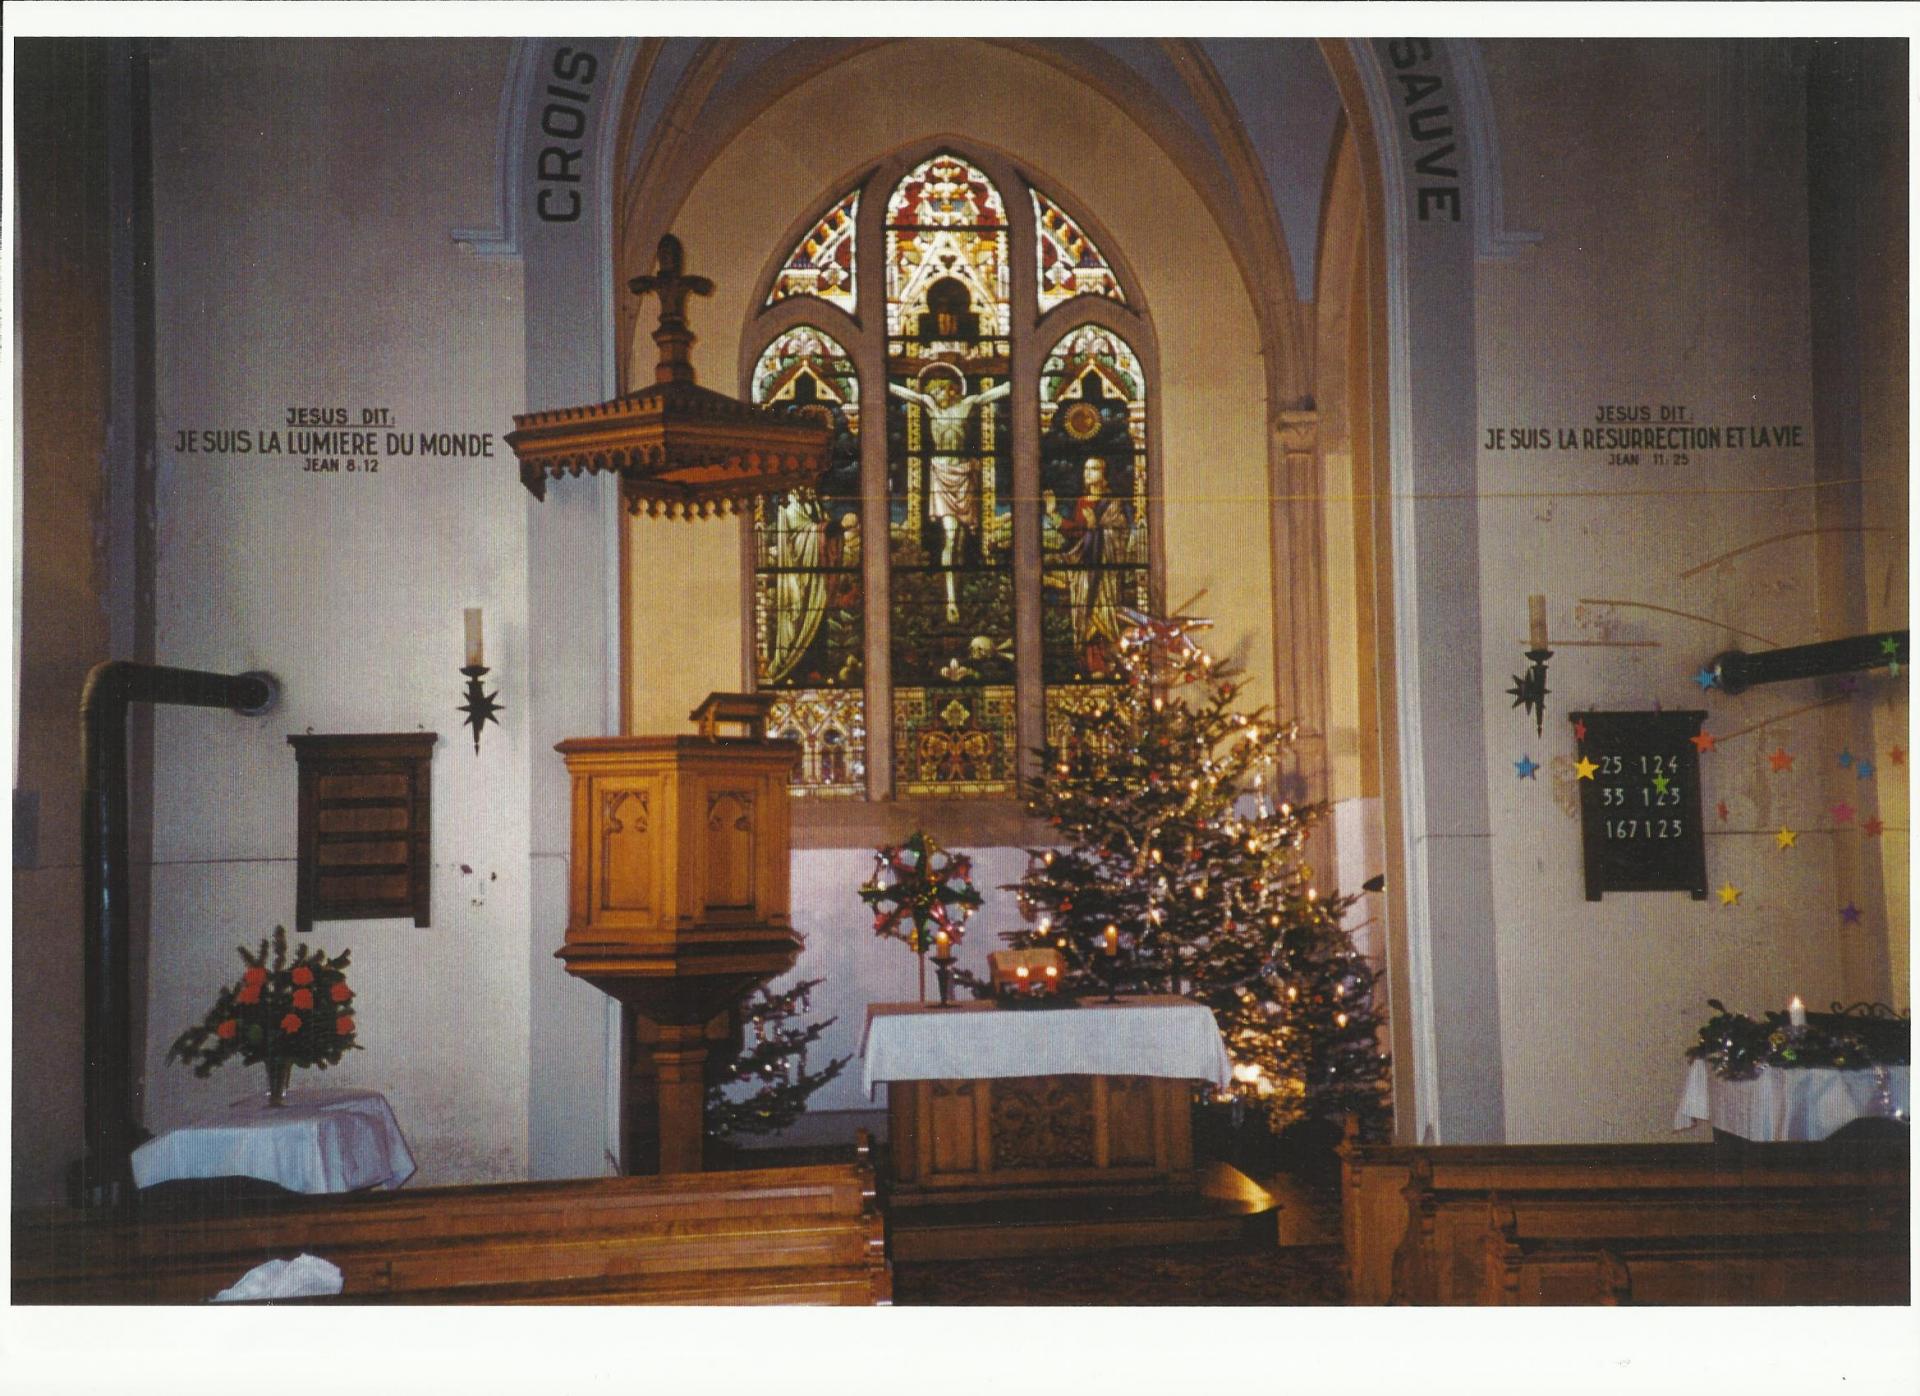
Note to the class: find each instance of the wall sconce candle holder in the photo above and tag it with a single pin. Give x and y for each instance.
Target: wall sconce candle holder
(481, 707)
(1530, 689)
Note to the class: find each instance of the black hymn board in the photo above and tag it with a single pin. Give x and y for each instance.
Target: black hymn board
(1640, 807)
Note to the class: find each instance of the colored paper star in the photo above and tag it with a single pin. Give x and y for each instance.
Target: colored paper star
(1525, 767)
(1849, 684)
(1843, 813)
(1786, 837)
(1705, 678)
(1889, 645)
(1893, 668)
(1850, 913)
(1872, 827)
(1864, 770)
(1660, 783)
(1721, 809)
(1729, 894)
(1702, 742)
(1782, 760)
(1583, 769)
(1579, 731)
(1846, 757)
(1897, 755)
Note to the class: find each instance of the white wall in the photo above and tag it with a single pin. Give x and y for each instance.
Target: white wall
(1667, 182)
(304, 193)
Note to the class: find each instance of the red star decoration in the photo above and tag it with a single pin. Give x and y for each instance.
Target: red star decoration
(1703, 742)
(1872, 827)
(1843, 813)
(1780, 759)
(1580, 733)
(1898, 756)
(1722, 808)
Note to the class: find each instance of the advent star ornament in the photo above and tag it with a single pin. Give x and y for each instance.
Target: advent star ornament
(1525, 767)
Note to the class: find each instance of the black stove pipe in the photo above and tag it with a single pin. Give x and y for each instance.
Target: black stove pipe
(1736, 671)
(105, 1177)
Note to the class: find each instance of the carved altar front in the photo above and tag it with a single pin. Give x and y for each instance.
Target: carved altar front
(1038, 1136)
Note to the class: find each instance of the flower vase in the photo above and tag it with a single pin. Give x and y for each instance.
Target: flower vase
(279, 1073)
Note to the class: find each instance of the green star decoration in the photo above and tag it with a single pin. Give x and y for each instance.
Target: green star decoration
(1660, 784)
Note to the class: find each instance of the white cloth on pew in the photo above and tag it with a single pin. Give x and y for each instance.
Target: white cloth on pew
(325, 1139)
(1808, 1102)
(285, 1279)
(1160, 1035)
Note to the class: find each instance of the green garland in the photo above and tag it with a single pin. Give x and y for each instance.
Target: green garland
(1737, 1047)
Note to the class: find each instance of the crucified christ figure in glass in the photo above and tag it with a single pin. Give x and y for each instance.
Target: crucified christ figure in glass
(954, 483)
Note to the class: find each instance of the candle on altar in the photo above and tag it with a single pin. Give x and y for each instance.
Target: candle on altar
(1796, 1013)
(1113, 940)
(942, 945)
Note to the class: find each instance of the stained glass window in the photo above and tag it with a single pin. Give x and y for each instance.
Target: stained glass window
(1093, 516)
(950, 482)
(822, 263)
(808, 600)
(1070, 265)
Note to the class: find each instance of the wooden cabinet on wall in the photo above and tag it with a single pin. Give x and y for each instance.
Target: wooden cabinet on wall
(366, 826)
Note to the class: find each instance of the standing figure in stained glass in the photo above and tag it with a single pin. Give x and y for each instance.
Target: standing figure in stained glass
(954, 483)
(1095, 536)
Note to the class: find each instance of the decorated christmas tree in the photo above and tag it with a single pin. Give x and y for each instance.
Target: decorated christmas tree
(1181, 872)
(766, 1085)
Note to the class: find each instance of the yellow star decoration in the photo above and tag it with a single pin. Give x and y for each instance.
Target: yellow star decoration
(1584, 769)
(1729, 894)
(1785, 838)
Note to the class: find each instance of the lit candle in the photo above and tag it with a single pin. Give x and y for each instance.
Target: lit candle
(1020, 972)
(941, 942)
(1113, 940)
(1796, 1013)
(1537, 622)
(476, 654)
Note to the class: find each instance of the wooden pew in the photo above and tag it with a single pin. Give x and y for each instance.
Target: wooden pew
(770, 1236)
(1414, 1219)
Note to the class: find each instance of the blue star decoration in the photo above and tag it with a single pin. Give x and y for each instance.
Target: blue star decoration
(1864, 770)
(1705, 678)
(1525, 767)
(1846, 758)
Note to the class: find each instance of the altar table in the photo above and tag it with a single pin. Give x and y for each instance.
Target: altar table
(324, 1139)
(1796, 1103)
(990, 1102)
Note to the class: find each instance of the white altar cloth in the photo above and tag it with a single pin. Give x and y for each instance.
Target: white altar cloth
(1149, 1036)
(1799, 1103)
(325, 1139)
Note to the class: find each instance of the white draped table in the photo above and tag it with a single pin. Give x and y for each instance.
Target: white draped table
(1798, 1103)
(987, 1102)
(1157, 1035)
(324, 1139)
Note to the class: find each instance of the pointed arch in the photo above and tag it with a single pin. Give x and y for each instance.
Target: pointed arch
(824, 263)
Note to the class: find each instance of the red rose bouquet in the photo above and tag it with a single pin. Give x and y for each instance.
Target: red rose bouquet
(298, 1014)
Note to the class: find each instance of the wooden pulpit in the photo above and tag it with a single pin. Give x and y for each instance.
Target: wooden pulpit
(678, 894)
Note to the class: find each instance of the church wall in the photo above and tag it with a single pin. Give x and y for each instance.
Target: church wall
(1667, 181)
(685, 622)
(304, 197)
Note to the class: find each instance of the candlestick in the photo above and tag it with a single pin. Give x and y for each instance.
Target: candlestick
(1796, 1013)
(476, 650)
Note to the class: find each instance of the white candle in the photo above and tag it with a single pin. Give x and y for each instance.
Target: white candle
(1537, 622)
(940, 944)
(476, 652)
(1796, 1013)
